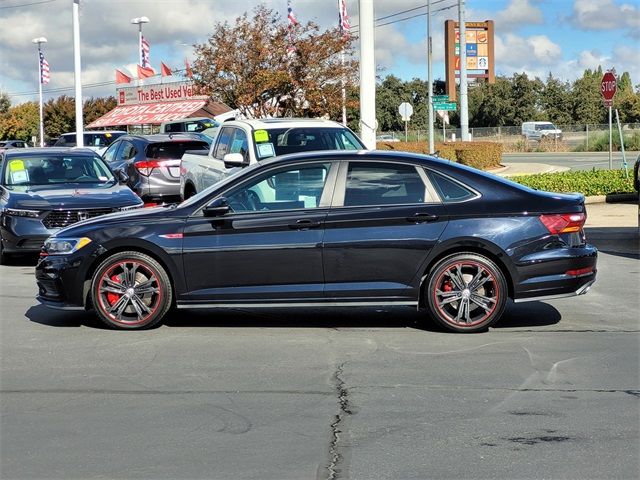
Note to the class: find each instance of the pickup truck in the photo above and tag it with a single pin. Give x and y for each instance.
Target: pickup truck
(244, 142)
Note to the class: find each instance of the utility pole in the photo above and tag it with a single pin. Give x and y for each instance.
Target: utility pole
(464, 103)
(367, 75)
(39, 41)
(78, 79)
(430, 78)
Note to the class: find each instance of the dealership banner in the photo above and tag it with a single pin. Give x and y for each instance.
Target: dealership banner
(167, 92)
(149, 113)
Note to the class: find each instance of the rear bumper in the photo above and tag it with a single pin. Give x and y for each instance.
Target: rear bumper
(556, 273)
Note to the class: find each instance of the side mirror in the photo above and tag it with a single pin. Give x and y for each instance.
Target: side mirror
(217, 208)
(122, 177)
(233, 160)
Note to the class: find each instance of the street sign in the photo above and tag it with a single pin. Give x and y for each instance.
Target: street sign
(608, 86)
(406, 110)
(444, 106)
(439, 98)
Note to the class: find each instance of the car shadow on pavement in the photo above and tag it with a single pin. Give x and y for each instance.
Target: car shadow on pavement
(618, 241)
(531, 314)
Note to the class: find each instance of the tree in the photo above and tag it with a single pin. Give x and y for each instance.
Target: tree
(247, 66)
(587, 99)
(59, 116)
(20, 122)
(94, 108)
(5, 103)
(555, 101)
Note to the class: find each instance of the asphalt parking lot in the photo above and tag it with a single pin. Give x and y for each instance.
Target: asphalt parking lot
(550, 392)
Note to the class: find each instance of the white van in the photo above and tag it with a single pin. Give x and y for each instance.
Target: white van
(540, 130)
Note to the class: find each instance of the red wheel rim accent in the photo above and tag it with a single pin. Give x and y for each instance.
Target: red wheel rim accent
(466, 293)
(129, 292)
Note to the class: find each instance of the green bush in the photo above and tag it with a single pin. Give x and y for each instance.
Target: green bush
(600, 142)
(481, 155)
(591, 182)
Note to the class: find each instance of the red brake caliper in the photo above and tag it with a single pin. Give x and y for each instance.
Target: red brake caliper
(447, 286)
(113, 297)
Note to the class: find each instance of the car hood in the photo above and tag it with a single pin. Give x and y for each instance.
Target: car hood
(45, 197)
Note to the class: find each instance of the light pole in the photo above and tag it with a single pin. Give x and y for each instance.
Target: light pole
(76, 74)
(367, 75)
(39, 41)
(139, 21)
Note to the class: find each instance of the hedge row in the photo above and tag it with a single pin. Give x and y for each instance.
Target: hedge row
(482, 155)
(593, 182)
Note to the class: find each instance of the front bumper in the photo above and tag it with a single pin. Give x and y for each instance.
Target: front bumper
(22, 234)
(61, 280)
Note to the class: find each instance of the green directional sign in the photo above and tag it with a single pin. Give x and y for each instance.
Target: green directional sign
(444, 106)
(440, 98)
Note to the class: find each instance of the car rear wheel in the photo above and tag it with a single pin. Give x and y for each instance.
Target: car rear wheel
(131, 290)
(466, 292)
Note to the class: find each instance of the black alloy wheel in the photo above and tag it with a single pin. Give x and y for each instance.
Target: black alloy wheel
(131, 290)
(466, 292)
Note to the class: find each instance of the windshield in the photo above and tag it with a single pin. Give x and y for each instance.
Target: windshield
(56, 169)
(546, 126)
(301, 139)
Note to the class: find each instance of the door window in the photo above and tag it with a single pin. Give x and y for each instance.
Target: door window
(240, 144)
(383, 184)
(110, 154)
(224, 143)
(127, 151)
(294, 187)
(450, 190)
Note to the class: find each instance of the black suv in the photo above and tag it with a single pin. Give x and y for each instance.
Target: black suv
(152, 163)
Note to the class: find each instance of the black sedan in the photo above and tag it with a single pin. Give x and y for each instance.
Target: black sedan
(329, 229)
(45, 189)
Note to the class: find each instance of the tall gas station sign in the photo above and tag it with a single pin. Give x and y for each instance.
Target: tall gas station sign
(480, 57)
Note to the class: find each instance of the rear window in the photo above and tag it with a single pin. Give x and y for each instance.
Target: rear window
(173, 150)
(97, 139)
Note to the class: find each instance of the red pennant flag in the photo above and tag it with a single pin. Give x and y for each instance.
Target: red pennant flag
(122, 78)
(165, 70)
(145, 72)
(187, 65)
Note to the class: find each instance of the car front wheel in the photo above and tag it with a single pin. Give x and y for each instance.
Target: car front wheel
(131, 290)
(466, 292)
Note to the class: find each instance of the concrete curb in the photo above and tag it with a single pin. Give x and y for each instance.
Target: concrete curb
(611, 198)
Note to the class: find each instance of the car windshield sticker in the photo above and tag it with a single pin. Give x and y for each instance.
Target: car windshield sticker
(21, 176)
(16, 165)
(261, 136)
(266, 150)
(236, 146)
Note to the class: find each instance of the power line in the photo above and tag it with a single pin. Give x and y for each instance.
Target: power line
(404, 11)
(28, 4)
(414, 16)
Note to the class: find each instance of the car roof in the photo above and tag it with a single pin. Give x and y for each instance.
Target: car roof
(162, 137)
(96, 131)
(36, 151)
(267, 123)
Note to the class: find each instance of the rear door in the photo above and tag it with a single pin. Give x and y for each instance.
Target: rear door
(385, 219)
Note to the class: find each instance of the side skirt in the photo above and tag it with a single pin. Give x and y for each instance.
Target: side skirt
(295, 304)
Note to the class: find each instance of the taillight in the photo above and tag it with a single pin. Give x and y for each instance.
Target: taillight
(563, 223)
(146, 167)
(580, 272)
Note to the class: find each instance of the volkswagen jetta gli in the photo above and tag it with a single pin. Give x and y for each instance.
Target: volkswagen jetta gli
(329, 229)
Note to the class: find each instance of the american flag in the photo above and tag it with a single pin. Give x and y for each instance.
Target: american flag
(343, 18)
(44, 69)
(292, 23)
(290, 15)
(144, 45)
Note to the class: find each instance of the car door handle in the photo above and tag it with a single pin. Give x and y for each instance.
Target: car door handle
(304, 224)
(422, 218)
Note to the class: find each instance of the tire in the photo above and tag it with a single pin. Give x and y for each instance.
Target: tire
(131, 290)
(189, 192)
(4, 257)
(466, 292)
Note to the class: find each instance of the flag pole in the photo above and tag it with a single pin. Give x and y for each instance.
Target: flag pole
(40, 93)
(77, 74)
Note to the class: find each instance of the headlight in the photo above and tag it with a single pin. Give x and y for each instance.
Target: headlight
(17, 212)
(64, 246)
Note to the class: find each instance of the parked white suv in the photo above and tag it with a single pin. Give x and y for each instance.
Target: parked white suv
(244, 142)
(540, 130)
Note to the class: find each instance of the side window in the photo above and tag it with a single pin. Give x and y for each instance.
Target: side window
(224, 142)
(290, 188)
(383, 184)
(240, 144)
(449, 190)
(127, 151)
(110, 154)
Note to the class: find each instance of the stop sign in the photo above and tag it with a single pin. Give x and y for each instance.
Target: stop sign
(608, 86)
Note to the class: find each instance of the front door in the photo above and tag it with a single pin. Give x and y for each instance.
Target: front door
(269, 247)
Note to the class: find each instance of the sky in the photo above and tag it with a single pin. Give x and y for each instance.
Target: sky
(563, 37)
